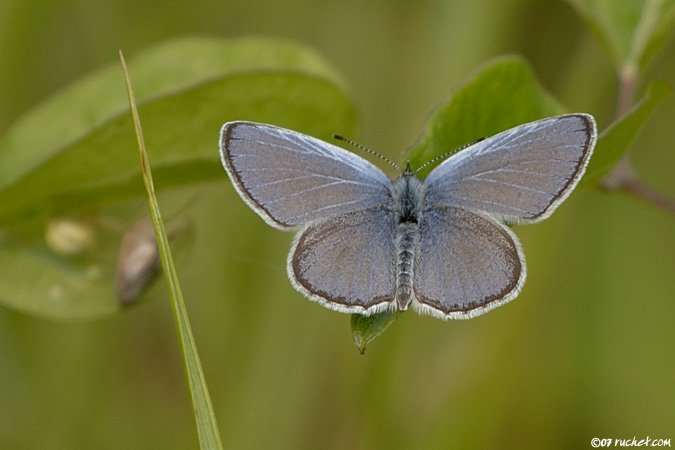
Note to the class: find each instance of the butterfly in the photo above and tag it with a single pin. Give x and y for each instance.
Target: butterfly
(366, 244)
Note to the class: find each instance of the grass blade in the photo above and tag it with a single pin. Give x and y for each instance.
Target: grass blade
(207, 428)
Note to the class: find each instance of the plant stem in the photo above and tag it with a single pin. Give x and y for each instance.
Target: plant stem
(627, 85)
(623, 177)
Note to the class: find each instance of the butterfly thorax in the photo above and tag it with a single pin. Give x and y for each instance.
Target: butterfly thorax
(408, 197)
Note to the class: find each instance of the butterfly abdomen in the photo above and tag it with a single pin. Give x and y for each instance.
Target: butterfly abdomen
(407, 237)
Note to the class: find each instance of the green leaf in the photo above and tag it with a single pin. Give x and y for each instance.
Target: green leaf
(207, 428)
(632, 30)
(77, 143)
(41, 282)
(74, 154)
(618, 137)
(366, 328)
(500, 95)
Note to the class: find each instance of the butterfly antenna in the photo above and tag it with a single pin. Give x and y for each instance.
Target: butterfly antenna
(443, 156)
(367, 150)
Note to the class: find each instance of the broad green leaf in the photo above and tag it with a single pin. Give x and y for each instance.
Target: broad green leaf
(632, 30)
(500, 95)
(38, 281)
(74, 154)
(366, 328)
(207, 427)
(77, 143)
(618, 137)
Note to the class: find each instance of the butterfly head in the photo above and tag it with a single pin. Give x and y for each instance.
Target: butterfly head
(408, 172)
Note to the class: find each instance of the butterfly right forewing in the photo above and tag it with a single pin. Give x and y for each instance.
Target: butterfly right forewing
(291, 179)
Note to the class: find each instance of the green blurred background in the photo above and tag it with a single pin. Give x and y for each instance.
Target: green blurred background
(586, 350)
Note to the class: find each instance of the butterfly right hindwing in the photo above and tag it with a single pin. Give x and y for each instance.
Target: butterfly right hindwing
(347, 263)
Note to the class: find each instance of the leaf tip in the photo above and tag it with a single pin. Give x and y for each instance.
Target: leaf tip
(366, 328)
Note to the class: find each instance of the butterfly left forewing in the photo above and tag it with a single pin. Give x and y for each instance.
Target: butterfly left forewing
(520, 175)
